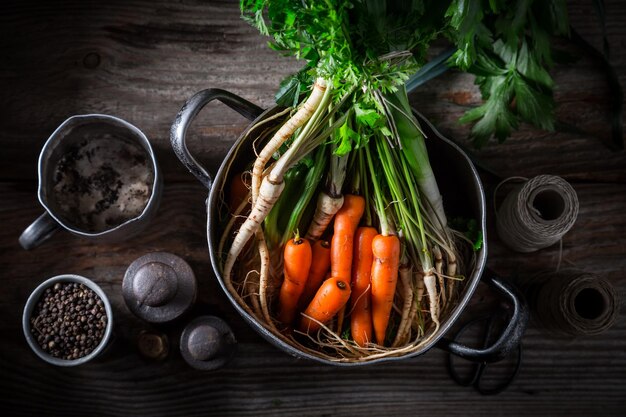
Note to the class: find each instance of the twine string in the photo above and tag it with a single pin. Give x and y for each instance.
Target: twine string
(537, 213)
(573, 302)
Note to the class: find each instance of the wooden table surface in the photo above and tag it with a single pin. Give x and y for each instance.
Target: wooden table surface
(140, 60)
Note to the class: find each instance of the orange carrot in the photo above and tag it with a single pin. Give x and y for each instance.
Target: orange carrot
(319, 267)
(237, 192)
(329, 299)
(297, 262)
(346, 221)
(360, 300)
(386, 251)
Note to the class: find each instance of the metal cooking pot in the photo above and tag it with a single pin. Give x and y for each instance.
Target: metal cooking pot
(462, 193)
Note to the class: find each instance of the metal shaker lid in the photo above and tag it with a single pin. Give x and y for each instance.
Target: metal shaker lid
(207, 343)
(159, 287)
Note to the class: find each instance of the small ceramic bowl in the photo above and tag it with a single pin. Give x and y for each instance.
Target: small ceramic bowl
(32, 303)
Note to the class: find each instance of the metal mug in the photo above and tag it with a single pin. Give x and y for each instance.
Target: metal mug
(461, 188)
(66, 135)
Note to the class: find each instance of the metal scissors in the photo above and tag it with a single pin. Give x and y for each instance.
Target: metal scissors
(478, 369)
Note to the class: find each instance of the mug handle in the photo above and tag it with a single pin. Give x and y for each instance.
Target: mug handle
(510, 338)
(186, 115)
(38, 231)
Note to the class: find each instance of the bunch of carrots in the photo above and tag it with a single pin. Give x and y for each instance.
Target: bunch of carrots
(359, 269)
(356, 270)
(353, 282)
(343, 158)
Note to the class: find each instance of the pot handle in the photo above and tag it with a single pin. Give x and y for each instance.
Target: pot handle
(510, 338)
(186, 115)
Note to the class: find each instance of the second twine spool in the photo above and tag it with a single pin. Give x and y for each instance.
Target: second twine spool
(572, 302)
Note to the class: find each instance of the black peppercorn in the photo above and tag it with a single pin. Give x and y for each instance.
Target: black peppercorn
(59, 321)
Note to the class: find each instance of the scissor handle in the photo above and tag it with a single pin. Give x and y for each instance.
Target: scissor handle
(510, 337)
(478, 368)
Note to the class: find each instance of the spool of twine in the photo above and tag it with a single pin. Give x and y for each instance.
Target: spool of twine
(573, 302)
(537, 214)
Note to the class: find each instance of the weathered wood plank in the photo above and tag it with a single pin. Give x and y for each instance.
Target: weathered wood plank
(153, 56)
(257, 383)
(141, 60)
(150, 57)
(559, 375)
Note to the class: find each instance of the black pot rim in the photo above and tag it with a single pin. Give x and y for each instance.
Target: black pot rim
(470, 287)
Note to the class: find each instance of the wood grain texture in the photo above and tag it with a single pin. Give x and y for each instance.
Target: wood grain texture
(140, 60)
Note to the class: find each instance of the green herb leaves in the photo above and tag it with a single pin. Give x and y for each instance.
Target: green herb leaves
(505, 43)
(376, 45)
(471, 230)
(466, 18)
(516, 89)
(495, 116)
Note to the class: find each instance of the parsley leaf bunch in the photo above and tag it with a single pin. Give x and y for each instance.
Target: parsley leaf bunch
(364, 46)
(506, 44)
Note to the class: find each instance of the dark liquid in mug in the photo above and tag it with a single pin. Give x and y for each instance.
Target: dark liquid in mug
(102, 182)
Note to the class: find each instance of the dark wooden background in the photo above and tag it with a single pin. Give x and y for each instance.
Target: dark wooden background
(140, 60)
